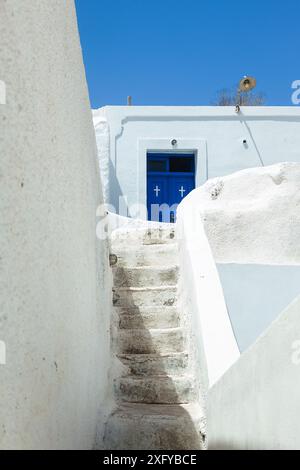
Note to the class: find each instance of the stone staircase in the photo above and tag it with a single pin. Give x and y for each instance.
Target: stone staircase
(154, 388)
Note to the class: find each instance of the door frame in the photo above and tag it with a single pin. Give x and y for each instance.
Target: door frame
(196, 146)
(168, 175)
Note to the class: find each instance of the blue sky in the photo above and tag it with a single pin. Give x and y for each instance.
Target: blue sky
(171, 52)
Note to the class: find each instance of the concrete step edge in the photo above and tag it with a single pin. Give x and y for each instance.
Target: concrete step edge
(145, 289)
(155, 330)
(154, 356)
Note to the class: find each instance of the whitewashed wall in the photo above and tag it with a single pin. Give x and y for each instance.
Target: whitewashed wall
(251, 219)
(255, 405)
(103, 147)
(55, 292)
(249, 224)
(252, 222)
(272, 135)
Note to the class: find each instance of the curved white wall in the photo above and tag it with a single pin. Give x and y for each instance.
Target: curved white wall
(251, 219)
(249, 223)
(55, 295)
(252, 216)
(252, 222)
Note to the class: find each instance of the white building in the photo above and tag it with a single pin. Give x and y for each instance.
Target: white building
(159, 154)
(219, 142)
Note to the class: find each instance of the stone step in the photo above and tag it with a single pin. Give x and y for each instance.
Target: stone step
(144, 296)
(159, 235)
(153, 364)
(155, 389)
(148, 317)
(146, 255)
(151, 341)
(145, 276)
(159, 427)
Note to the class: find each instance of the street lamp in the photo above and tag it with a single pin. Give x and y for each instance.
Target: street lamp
(246, 84)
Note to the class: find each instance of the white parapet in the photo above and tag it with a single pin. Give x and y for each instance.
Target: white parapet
(202, 295)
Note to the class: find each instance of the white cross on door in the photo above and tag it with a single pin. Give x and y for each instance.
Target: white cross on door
(156, 190)
(182, 191)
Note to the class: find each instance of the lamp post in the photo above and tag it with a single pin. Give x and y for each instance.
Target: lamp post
(246, 84)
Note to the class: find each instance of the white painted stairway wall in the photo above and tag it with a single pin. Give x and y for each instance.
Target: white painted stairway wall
(154, 389)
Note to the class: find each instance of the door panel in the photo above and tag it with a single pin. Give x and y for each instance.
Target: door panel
(157, 191)
(179, 188)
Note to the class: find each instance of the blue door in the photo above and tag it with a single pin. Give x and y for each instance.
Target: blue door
(157, 190)
(170, 178)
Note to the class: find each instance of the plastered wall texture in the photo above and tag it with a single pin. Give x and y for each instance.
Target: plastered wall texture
(54, 282)
(252, 216)
(252, 220)
(255, 405)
